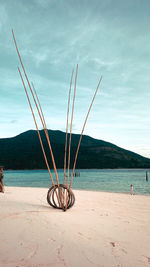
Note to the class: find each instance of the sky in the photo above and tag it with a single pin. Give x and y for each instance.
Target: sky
(104, 37)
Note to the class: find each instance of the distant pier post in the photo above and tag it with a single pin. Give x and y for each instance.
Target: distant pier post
(1, 179)
(146, 176)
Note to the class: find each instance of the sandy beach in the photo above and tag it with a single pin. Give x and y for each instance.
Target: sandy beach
(101, 229)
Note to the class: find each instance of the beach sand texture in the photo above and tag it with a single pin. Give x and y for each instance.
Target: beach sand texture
(101, 229)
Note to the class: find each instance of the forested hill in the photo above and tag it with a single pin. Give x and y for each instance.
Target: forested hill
(24, 152)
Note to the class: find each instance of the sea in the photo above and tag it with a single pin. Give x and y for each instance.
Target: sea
(108, 180)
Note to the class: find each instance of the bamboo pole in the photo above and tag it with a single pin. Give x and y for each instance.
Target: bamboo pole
(67, 127)
(47, 137)
(59, 201)
(82, 132)
(42, 115)
(70, 136)
(45, 130)
(36, 127)
(71, 124)
(54, 165)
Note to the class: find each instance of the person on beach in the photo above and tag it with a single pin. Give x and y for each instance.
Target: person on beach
(1, 180)
(131, 189)
(1, 185)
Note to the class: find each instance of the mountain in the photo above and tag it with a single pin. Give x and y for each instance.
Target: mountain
(24, 152)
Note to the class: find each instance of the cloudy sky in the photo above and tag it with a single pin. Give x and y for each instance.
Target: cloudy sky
(105, 37)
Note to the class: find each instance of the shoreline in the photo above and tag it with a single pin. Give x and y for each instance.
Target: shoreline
(102, 229)
(84, 190)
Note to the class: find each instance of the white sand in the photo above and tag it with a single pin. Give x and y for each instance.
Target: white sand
(101, 229)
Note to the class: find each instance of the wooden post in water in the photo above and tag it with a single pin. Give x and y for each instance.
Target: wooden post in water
(1, 179)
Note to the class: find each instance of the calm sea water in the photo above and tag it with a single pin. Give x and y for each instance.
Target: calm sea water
(96, 180)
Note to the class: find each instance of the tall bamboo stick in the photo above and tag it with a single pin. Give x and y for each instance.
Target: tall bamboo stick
(54, 165)
(83, 131)
(44, 124)
(59, 201)
(70, 136)
(71, 123)
(67, 127)
(47, 136)
(46, 133)
(42, 115)
(36, 127)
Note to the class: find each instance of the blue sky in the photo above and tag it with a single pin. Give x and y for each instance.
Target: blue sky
(105, 37)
